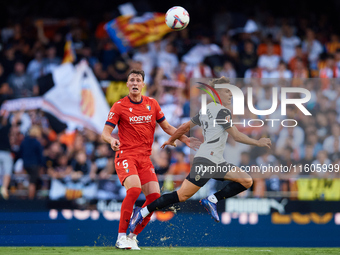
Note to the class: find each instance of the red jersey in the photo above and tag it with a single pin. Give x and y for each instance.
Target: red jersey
(136, 124)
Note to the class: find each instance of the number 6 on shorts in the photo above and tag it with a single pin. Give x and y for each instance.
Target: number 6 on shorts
(125, 163)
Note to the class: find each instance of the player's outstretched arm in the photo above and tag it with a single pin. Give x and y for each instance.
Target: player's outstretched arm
(179, 134)
(106, 136)
(242, 138)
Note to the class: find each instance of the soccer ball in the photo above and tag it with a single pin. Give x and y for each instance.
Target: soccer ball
(177, 18)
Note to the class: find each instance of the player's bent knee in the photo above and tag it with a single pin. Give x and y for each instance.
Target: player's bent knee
(183, 197)
(134, 192)
(152, 197)
(247, 182)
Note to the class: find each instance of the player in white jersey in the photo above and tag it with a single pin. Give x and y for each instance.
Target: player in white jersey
(208, 162)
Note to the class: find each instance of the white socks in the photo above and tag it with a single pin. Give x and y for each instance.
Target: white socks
(212, 199)
(120, 235)
(132, 235)
(145, 212)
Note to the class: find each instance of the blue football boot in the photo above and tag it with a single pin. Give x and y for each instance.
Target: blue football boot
(136, 218)
(211, 208)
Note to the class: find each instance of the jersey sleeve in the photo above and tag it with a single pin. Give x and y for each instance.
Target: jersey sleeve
(159, 114)
(113, 117)
(196, 119)
(224, 114)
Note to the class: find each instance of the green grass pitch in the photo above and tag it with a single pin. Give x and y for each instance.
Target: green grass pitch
(164, 250)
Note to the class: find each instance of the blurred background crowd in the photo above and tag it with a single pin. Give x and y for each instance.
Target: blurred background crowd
(245, 42)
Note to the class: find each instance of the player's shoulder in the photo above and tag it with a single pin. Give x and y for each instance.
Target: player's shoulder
(120, 102)
(150, 100)
(225, 109)
(221, 109)
(217, 107)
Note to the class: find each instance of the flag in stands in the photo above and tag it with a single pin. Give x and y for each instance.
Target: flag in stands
(76, 97)
(69, 54)
(128, 31)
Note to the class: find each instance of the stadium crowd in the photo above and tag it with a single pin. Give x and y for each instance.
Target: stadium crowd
(264, 52)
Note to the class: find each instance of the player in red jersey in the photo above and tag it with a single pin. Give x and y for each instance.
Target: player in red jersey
(136, 117)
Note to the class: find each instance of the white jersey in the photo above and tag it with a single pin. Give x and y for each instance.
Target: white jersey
(214, 131)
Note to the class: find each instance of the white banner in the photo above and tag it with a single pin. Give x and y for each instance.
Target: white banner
(80, 101)
(30, 103)
(72, 189)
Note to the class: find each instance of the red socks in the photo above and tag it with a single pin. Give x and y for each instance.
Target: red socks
(127, 206)
(149, 199)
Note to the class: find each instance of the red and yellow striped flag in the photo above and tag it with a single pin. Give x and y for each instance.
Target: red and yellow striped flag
(69, 54)
(129, 31)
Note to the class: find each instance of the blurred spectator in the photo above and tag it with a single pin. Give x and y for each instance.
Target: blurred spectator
(265, 102)
(328, 144)
(300, 73)
(286, 158)
(35, 66)
(80, 164)
(233, 150)
(319, 167)
(296, 134)
(270, 28)
(308, 158)
(201, 71)
(180, 167)
(103, 164)
(5, 92)
(161, 161)
(203, 49)
(312, 48)
(77, 38)
(52, 154)
(332, 116)
(266, 159)
(312, 140)
(167, 60)
(282, 72)
(334, 44)
(255, 74)
(229, 48)
(289, 42)
(322, 124)
(228, 70)
(329, 71)
(21, 83)
(86, 53)
(299, 55)
(59, 43)
(31, 151)
(99, 72)
(269, 62)
(248, 58)
(62, 168)
(9, 60)
(3, 77)
(145, 57)
(51, 61)
(335, 156)
(263, 47)
(118, 70)
(245, 159)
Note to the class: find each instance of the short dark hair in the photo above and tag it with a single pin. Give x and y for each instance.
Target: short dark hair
(221, 80)
(135, 71)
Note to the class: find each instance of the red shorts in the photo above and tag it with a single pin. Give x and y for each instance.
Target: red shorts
(135, 165)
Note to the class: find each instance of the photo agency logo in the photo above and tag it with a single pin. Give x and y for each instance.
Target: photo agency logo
(238, 104)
